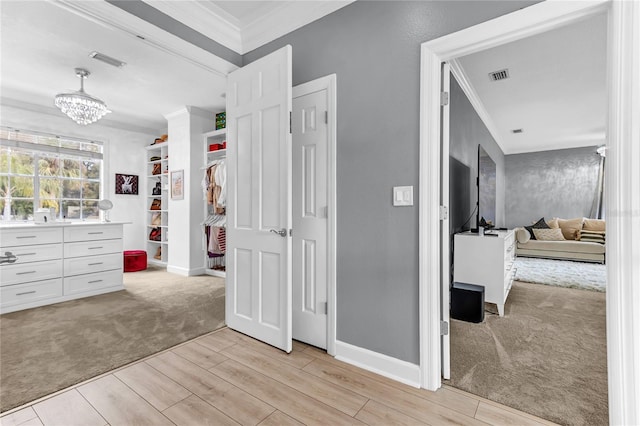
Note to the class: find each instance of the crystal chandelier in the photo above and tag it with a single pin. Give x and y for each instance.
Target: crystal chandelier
(80, 106)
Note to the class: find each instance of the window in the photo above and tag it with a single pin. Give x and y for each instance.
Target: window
(46, 171)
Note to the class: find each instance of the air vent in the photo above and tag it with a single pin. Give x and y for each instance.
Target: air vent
(107, 59)
(499, 75)
(517, 131)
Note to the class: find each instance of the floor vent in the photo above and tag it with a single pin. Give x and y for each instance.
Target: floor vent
(499, 75)
(107, 59)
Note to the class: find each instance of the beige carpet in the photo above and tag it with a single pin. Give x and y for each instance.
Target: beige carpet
(46, 349)
(546, 356)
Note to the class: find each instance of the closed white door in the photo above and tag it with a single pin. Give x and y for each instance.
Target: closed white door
(310, 218)
(258, 289)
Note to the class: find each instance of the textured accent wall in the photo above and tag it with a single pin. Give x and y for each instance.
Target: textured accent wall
(374, 49)
(560, 183)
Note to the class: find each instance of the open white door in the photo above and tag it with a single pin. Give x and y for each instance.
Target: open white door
(445, 270)
(258, 289)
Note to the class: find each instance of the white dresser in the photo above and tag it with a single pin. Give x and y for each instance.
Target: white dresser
(59, 262)
(486, 261)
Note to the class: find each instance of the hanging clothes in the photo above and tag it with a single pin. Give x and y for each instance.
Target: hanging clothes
(215, 183)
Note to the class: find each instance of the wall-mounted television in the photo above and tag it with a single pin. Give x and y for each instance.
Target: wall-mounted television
(486, 213)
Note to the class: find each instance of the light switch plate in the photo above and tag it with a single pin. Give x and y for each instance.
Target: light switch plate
(403, 195)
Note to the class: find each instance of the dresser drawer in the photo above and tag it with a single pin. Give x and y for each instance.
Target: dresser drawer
(90, 282)
(25, 254)
(32, 292)
(29, 236)
(92, 232)
(90, 264)
(37, 271)
(92, 248)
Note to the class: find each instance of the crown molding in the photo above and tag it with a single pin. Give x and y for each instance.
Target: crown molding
(207, 19)
(287, 18)
(215, 23)
(466, 86)
(112, 17)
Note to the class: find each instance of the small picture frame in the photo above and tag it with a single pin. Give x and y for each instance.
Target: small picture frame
(126, 184)
(177, 185)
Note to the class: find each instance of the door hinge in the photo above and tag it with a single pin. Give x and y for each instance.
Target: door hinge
(444, 328)
(444, 213)
(322, 308)
(290, 131)
(326, 117)
(444, 98)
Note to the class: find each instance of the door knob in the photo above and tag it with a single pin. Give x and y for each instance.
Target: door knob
(282, 232)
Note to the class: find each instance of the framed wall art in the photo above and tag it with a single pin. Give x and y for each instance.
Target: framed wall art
(177, 185)
(126, 184)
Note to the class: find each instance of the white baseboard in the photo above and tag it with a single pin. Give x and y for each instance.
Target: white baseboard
(393, 368)
(185, 272)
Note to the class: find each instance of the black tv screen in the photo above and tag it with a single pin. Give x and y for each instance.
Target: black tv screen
(486, 189)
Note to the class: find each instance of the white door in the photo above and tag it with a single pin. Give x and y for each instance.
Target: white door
(310, 217)
(258, 284)
(445, 269)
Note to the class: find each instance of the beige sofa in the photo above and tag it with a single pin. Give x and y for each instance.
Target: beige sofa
(568, 249)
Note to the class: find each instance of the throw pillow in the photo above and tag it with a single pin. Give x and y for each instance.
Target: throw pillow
(523, 236)
(570, 227)
(552, 234)
(540, 224)
(591, 236)
(594, 225)
(553, 223)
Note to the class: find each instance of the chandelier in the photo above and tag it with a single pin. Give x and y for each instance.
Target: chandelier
(80, 106)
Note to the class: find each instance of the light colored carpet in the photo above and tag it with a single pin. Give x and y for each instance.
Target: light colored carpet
(46, 349)
(547, 355)
(562, 273)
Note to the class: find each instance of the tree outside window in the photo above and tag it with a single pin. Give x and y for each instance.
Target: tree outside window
(40, 171)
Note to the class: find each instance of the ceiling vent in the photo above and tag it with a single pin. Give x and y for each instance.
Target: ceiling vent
(499, 75)
(517, 131)
(107, 59)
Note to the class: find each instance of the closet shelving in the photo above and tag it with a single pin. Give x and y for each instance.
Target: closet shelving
(213, 265)
(158, 150)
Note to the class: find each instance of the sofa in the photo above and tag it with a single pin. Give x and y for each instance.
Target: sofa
(577, 239)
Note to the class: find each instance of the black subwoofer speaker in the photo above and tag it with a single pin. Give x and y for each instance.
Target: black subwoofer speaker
(467, 302)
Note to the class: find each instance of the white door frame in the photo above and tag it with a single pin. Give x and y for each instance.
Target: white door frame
(328, 83)
(622, 190)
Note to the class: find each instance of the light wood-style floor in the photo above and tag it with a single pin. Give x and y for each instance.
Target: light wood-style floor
(226, 378)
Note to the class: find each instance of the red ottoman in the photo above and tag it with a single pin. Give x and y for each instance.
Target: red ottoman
(135, 260)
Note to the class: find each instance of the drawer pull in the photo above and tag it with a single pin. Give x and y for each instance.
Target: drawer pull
(25, 273)
(95, 233)
(26, 292)
(25, 236)
(95, 281)
(94, 248)
(96, 263)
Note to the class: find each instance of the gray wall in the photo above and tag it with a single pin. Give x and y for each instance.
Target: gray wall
(466, 132)
(560, 183)
(374, 48)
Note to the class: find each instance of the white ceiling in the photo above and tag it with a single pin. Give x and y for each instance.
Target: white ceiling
(556, 91)
(43, 41)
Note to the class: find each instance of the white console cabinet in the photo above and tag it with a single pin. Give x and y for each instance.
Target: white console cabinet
(486, 261)
(59, 262)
